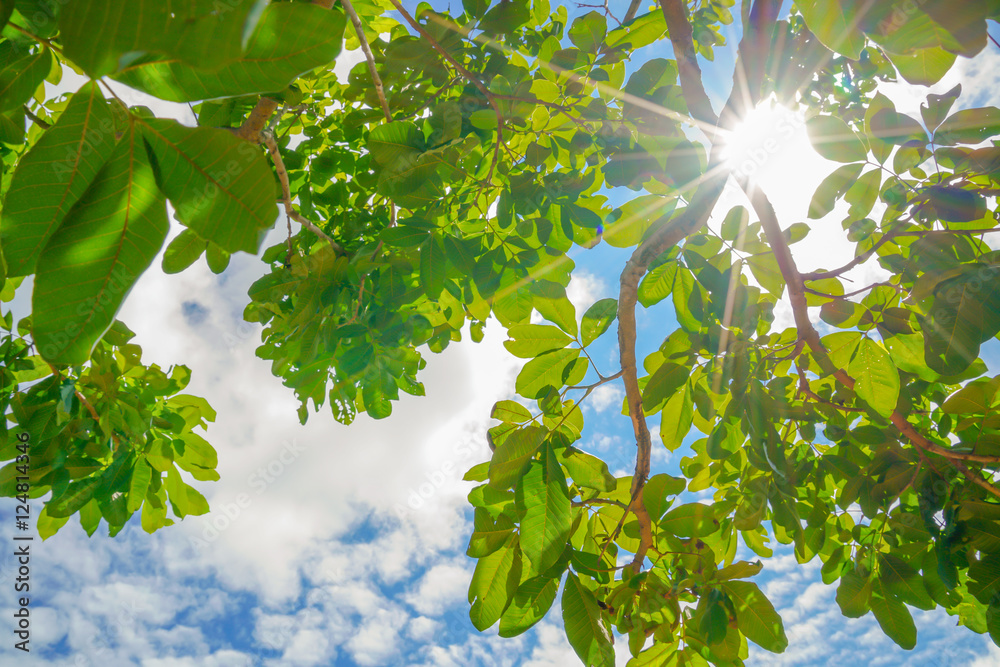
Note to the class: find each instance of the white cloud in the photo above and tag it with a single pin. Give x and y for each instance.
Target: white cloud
(604, 397)
(441, 587)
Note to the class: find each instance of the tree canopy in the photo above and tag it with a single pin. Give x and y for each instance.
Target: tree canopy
(448, 181)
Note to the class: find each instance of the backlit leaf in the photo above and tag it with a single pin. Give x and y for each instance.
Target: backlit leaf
(105, 243)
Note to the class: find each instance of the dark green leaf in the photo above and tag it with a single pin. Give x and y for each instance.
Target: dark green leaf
(53, 175)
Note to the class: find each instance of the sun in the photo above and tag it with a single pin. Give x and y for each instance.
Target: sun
(769, 144)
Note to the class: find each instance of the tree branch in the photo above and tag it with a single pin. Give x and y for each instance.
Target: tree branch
(632, 9)
(257, 120)
(35, 119)
(682, 38)
(669, 234)
(807, 332)
(369, 58)
(286, 197)
(863, 257)
(974, 478)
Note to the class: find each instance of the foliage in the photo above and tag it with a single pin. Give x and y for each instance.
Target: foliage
(447, 182)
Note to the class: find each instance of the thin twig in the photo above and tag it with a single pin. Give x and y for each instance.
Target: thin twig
(369, 58)
(974, 478)
(286, 198)
(35, 119)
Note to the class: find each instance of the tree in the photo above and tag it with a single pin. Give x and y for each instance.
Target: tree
(445, 183)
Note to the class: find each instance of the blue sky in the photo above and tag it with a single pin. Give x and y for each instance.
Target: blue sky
(333, 545)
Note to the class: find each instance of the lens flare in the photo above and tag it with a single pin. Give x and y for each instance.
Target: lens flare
(769, 143)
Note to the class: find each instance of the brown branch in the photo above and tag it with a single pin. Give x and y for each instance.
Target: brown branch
(669, 234)
(974, 478)
(863, 257)
(35, 119)
(796, 294)
(632, 9)
(286, 198)
(257, 120)
(369, 58)
(682, 38)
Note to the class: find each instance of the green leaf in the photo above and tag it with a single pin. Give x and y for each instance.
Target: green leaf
(841, 345)
(493, 584)
(756, 616)
(219, 185)
(588, 31)
(834, 140)
(984, 577)
(975, 398)
(543, 371)
(531, 602)
(900, 579)
(289, 39)
(433, 270)
(584, 629)
(690, 520)
(969, 126)
(488, 535)
(936, 108)
(597, 319)
(656, 492)
(953, 333)
(395, 142)
(767, 272)
(677, 418)
(833, 188)
(76, 495)
(510, 411)
(687, 298)
(953, 204)
(863, 193)
(108, 239)
(895, 620)
(20, 79)
(662, 384)
(531, 340)
(924, 67)
(735, 223)
(53, 175)
(98, 36)
(739, 570)
(628, 223)
(835, 24)
(853, 594)
(543, 495)
(876, 375)
(142, 474)
(185, 500)
(6, 9)
(183, 251)
(896, 128)
(513, 455)
(657, 284)
(558, 310)
(586, 470)
(194, 450)
(48, 525)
